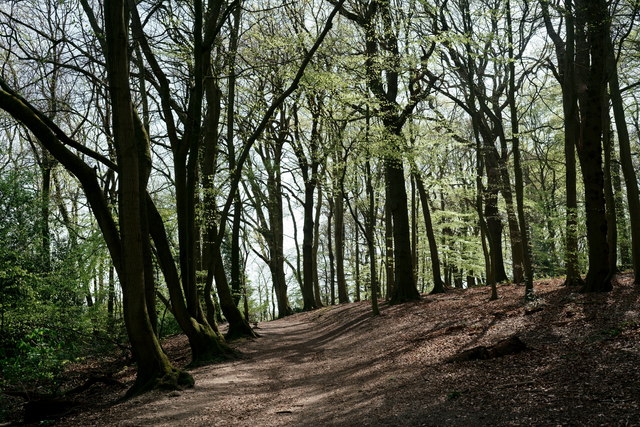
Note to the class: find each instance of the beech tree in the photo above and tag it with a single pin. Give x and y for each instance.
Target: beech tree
(383, 72)
(269, 205)
(583, 65)
(626, 162)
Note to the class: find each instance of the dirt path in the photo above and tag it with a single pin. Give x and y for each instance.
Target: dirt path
(340, 366)
(300, 372)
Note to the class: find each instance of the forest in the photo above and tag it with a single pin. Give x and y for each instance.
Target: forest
(200, 168)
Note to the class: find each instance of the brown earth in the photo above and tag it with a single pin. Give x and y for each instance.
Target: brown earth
(341, 366)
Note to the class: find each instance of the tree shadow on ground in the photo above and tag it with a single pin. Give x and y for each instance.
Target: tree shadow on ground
(342, 366)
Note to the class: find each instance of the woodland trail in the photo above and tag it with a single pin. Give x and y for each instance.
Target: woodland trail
(341, 366)
(299, 372)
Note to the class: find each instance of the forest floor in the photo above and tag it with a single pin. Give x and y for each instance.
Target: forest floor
(340, 366)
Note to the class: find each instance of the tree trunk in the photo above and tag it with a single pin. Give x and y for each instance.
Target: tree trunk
(154, 367)
(343, 296)
(370, 226)
(149, 276)
(489, 255)
(610, 205)
(276, 219)
(565, 53)
(206, 342)
(316, 243)
(630, 179)
(405, 286)
(388, 252)
(357, 261)
(280, 285)
(438, 285)
(238, 325)
(491, 215)
(308, 299)
(271, 226)
(515, 238)
(393, 120)
(236, 267)
(573, 277)
(494, 227)
(211, 255)
(414, 230)
(47, 164)
(111, 296)
(332, 270)
(590, 150)
(297, 268)
(517, 165)
(236, 280)
(624, 242)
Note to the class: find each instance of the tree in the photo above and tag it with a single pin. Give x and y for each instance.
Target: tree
(438, 285)
(382, 63)
(271, 224)
(133, 167)
(338, 194)
(517, 158)
(593, 16)
(566, 75)
(633, 197)
(310, 169)
(582, 58)
(129, 245)
(145, 345)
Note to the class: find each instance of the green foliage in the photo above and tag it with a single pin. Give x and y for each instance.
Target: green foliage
(615, 331)
(38, 355)
(259, 310)
(167, 323)
(19, 222)
(45, 321)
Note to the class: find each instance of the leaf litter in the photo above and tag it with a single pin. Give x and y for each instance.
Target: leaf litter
(339, 365)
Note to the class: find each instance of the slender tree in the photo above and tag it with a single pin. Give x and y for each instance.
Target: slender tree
(628, 171)
(382, 62)
(566, 75)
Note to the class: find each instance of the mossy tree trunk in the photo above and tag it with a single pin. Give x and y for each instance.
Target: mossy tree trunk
(189, 171)
(131, 145)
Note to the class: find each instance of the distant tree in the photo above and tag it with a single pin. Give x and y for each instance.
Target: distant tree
(269, 205)
(310, 164)
(438, 284)
(381, 29)
(626, 161)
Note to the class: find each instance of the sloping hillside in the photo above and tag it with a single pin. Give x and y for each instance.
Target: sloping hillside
(340, 366)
